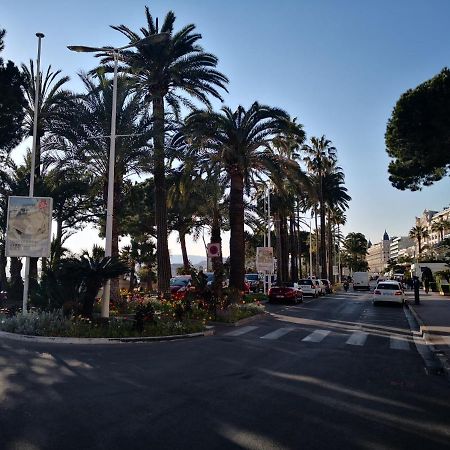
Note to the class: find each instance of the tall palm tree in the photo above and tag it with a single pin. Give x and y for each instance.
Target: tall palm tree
(238, 141)
(355, 245)
(88, 144)
(163, 72)
(55, 104)
(320, 157)
(440, 226)
(418, 233)
(335, 198)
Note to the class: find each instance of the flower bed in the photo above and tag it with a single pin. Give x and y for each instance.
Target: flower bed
(235, 313)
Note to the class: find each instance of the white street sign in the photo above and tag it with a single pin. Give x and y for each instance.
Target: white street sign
(213, 250)
(264, 259)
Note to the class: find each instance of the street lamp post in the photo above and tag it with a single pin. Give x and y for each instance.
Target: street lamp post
(154, 38)
(26, 283)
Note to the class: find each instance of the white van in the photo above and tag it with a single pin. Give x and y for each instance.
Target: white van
(361, 281)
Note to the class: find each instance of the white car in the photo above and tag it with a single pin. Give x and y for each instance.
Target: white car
(388, 291)
(308, 287)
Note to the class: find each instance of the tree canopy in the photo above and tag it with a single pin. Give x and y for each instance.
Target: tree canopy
(418, 134)
(12, 103)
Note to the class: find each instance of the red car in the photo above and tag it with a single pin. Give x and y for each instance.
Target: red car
(286, 292)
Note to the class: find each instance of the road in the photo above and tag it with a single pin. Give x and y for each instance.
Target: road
(331, 373)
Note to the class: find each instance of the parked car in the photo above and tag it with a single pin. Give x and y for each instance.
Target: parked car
(178, 282)
(308, 287)
(320, 286)
(327, 285)
(287, 292)
(388, 291)
(255, 281)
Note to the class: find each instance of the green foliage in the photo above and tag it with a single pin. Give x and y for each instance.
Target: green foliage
(418, 134)
(12, 103)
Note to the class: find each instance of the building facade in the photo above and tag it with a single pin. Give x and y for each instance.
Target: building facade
(428, 219)
(401, 246)
(378, 255)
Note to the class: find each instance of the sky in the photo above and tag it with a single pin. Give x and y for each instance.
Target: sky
(338, 66)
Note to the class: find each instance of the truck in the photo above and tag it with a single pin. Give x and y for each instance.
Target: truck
(361, 281)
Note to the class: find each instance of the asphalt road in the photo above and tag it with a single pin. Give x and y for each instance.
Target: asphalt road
(332, 373)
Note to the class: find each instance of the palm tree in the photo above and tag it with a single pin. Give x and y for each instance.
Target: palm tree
(355, 245)
(55, 105)
(162, 72)
(418, 233)
(238, 141)
(440, 226)
(335, 198)
(321, 157)
(88, 146)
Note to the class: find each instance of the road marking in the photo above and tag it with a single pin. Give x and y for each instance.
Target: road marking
(316, 336)
(398, 344)
(357, 338)
(277, 333)
(240, 331)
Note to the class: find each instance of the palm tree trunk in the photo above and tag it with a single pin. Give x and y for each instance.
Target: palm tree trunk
(419, 242)
(294, 248)
(330, 249)
(217, 262)
(237, 252)
(317, 243)
(3, 261)
(182, 236)
(162, 247)
(284, 248)
(278, 248)
(323, 248)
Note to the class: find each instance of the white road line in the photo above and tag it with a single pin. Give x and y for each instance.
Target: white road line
(357, 338)
(240, 331)
(398, 344)
(316, 336)
(278, 333)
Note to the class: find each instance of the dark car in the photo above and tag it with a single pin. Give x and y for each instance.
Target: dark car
(178, 282)
(255, 282)
(286, 292)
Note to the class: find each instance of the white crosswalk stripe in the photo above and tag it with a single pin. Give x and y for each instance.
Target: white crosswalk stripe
(316, 336)
(357, 338)
(397, 343)
(241, 331)
(278, 333)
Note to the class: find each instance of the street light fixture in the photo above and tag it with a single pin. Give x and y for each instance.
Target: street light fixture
(152, 39)
(33, 163)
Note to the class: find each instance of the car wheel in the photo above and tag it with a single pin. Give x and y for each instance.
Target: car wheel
(301, 299)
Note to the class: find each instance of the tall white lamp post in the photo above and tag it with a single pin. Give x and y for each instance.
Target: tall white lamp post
(26, 283)
(153, 39)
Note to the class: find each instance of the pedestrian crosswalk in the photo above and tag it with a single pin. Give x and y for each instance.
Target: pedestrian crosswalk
(352, 337)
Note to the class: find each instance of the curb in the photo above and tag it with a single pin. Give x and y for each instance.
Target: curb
(241, 322)
(444, 362)
(103, 341)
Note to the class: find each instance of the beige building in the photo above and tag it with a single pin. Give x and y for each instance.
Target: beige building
(427, 219)
(378, 255)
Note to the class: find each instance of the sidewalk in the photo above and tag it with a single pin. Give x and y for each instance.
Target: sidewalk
(433, 315)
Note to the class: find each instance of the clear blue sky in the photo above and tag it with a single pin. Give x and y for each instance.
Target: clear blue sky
(338, 66)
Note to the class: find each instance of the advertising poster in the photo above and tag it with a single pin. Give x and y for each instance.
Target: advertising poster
(264, 259)
(29, 225)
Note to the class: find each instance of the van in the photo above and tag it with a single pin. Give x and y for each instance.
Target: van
(361, 281)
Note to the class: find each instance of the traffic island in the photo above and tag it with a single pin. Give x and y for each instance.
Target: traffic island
(433, 318)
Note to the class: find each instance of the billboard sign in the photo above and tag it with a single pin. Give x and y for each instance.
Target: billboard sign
(29, 226)
(264, 259)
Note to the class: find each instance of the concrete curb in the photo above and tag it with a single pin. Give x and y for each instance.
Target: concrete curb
(242, 321)
(444, 362)
(104, 341)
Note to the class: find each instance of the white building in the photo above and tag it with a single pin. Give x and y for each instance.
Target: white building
(401, 246)
(378, 254)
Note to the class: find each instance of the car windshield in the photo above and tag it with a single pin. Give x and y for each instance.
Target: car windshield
(178, 282)
(252, 276)
(305, 282)
(388, 286)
